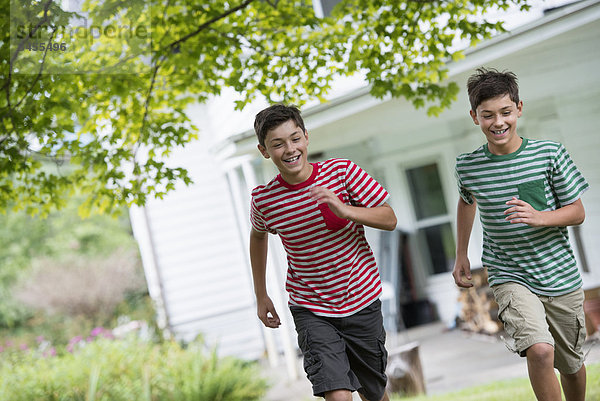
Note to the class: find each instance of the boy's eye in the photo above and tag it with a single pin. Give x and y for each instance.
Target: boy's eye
(487, 116)
(296, 139)
(277, 145)
(506, 113)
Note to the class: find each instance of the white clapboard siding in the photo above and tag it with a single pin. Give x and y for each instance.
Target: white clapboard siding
(583, 143)
(195, 262)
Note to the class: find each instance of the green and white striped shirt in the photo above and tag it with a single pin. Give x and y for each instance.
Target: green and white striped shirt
(542, 174)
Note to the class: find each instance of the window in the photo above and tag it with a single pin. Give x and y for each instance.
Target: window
(434, 236)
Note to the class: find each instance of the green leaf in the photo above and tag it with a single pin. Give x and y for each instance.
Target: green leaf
(91, 108)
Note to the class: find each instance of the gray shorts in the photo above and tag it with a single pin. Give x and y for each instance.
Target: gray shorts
(530, 319)
(344, 353)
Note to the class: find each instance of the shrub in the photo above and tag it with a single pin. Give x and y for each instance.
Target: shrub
(81, 286)
(63, 235)
(128, 370)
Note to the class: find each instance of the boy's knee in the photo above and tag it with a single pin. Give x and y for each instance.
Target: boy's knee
(541, 353)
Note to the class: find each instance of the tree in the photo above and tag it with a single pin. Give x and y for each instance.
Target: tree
(93, 112)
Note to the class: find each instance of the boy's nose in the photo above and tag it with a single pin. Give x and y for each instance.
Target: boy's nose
(289, 147)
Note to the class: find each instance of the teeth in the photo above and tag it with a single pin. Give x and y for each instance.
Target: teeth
(499, 132)
(293, 159)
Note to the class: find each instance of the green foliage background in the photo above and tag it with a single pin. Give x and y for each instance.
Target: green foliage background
(129, 369)
(61, 236)
(107, 113)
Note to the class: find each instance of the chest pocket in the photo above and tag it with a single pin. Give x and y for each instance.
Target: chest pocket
(533, 192)
(332, 222)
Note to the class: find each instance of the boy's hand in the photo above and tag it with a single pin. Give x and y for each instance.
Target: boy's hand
(266, 313)
(462, 268)
(324, 195)
(523, 212)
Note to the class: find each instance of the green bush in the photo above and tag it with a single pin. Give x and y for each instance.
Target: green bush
(58, 239)
(128, 370)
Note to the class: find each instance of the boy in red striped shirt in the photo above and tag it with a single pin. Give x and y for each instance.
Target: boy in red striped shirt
(319, 211)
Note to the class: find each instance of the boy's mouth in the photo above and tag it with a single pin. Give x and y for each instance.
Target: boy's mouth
(499, 132)
(292, 159)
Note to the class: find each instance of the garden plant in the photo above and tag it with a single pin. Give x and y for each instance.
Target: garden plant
(103, 368)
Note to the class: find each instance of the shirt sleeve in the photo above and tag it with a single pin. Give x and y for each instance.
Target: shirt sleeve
(257, 219)
(363, 189)
(462, 191)
(568, 183)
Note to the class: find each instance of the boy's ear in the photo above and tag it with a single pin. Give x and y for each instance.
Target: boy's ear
(519, 108)
(306, 135)
(474, 117)
(263, 151)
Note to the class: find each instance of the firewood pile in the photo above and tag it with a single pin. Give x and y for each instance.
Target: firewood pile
(404, 371)
(479, 311)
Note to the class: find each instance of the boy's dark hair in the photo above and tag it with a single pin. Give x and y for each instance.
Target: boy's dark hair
(273, 116)
(489, 83)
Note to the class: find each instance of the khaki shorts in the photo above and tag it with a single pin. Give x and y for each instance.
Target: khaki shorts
(530, 319)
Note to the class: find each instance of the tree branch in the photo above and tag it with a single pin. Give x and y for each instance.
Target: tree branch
(173, 45)
(148, 97)
(176, 43)
(164, 18)
(206, 25)
(39, 74)
(20, 47)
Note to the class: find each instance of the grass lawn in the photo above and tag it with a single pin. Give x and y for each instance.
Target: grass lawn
(513, 390)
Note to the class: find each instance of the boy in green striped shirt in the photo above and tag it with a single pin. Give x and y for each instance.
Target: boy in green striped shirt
(527, 192)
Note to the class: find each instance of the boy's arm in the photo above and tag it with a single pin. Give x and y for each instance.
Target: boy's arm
(381, 217)
(465, 214)
(258, 261)
(522, 212)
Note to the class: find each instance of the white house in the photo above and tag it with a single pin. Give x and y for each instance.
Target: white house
(194, 242)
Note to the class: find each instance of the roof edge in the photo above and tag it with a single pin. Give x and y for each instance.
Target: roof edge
(556, 14)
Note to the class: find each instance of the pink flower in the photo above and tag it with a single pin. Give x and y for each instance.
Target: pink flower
(39, 339)
(75, 340)
(50, 352)
(97, 331)
(23, 347)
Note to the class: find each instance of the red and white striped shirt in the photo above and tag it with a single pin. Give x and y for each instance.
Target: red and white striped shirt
(331, 268)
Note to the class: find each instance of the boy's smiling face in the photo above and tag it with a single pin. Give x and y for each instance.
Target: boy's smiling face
(287, 146)
(497, 118)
